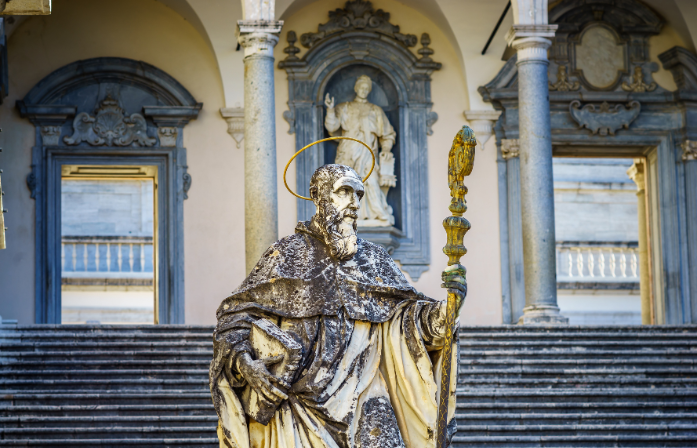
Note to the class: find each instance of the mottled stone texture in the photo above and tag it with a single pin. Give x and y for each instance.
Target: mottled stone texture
(537, 191)
(260, 192)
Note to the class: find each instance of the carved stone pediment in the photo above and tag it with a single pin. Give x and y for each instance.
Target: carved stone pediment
(604, 119)
(110, 127)
(355, 16)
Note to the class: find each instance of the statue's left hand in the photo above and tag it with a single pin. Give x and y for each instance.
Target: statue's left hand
(455, 281)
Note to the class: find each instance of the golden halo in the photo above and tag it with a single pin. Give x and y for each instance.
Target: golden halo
(320, 141)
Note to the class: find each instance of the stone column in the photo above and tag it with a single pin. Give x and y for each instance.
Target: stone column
(258, 38)
(536, 183)
(637, 173)
(689, 158)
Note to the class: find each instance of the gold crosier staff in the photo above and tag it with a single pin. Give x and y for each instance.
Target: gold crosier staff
(460, 164)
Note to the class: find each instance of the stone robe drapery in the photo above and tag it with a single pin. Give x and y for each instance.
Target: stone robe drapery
(368, 123)
(371, 351)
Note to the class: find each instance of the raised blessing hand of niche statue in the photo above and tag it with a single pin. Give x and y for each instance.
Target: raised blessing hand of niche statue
(310, 350)
(368, 123)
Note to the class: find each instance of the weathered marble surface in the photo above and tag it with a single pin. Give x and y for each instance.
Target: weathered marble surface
(371, 345)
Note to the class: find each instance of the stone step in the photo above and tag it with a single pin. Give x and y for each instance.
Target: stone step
(575, 441)
(563, 359)
(125, 374)
(155, 421)
(473, 370)
(589, 418)
(575, 382)
(99, 384)
(552, 353)
(575, 429)
(136, 442)
(171, 409)
(465, 407)
(119, 397)
(203, 356)
(112, 432)
(562, 395)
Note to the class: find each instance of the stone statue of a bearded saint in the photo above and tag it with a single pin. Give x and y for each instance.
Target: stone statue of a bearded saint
(365, 346)
(368, 123)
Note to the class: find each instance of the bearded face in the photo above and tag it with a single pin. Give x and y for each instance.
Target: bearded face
(337, 191)
(339, 229)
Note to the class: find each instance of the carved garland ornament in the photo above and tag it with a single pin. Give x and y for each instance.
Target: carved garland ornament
(603, 119)
(110, 127)
(357, 15)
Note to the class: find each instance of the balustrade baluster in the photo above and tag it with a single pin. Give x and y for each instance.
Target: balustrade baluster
(571, 264)
(119, 255)
(84, 257)
(142, 257)
(74, 256)
(108, 257)
(579, 262)
(591, 263)
(634, 264)
(130, 257)
(623, 264)
(613, 264)
(601, 263)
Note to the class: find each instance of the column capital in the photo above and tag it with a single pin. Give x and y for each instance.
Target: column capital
(636, 173)
(531, 41)
(689, 150)
(258, 37)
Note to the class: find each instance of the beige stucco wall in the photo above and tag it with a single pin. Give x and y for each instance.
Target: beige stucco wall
(148, 31)
(450, 99)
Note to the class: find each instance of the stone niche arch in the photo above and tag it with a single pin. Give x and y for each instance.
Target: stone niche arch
(359, 40)
(110, 112)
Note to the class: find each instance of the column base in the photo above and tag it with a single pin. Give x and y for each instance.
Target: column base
(542, 315)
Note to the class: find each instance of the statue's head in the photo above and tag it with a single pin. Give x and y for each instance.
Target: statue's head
(336, 191)
(363, 86)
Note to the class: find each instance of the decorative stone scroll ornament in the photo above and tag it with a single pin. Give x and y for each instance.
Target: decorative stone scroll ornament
(358, 15)
(563, 84)
(638, 84)
(110, 127)
(235, 122)
(603, 119)
(510, 148)
(689, 150)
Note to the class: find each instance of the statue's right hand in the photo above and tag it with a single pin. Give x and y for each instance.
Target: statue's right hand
(256, 373)
(329, 102)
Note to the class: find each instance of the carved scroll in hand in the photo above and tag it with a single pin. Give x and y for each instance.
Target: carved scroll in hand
(603, 119)
(109, 127)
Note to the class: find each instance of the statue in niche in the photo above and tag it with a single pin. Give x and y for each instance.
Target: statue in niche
(368, 123)
(326, 344)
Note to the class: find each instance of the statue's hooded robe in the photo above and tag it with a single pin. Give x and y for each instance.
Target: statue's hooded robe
(371, 350)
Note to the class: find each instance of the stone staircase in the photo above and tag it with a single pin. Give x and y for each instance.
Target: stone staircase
(147, 386)
(577, 387)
